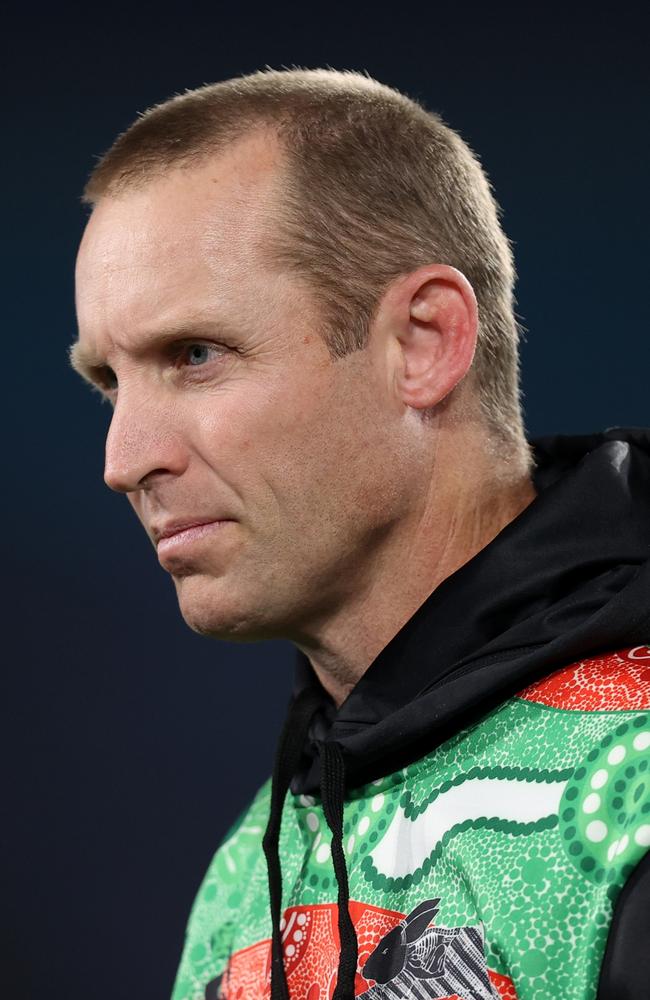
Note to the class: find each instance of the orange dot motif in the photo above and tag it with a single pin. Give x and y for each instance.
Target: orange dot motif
(614, 681)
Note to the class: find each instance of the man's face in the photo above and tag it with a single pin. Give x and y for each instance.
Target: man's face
(242, 419)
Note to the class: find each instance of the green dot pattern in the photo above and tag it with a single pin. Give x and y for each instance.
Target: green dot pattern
(544, 890)
(603, 824)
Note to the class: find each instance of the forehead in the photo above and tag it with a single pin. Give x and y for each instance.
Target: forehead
(192, 234)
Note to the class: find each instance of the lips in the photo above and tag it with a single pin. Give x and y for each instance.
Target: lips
(184, 542)
(174, 527)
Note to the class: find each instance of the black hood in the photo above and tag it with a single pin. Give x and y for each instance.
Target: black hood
(568, 577)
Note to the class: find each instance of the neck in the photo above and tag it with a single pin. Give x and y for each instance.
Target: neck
(454, 522)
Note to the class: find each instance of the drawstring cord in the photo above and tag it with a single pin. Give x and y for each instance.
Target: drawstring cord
(287, 759)
(333, 795)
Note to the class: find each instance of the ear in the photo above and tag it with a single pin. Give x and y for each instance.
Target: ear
(429, 321)
(419, 919)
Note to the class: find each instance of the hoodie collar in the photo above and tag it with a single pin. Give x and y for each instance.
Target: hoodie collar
(568, 577)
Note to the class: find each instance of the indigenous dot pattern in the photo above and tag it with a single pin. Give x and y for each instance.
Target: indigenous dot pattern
(618, 680)
(605, 809)
(544, 890)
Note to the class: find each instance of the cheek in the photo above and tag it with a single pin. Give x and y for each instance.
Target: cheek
(330, 467)
(266, 418)
(260, 446)
(302, 450)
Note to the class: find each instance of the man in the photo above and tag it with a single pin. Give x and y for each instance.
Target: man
(295, 292)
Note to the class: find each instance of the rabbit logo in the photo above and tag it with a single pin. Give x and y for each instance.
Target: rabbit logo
(414, 959)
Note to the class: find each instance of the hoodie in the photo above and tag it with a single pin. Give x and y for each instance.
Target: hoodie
(474, 820)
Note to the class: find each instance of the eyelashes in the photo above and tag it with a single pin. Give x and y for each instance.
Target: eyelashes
(197, 347)
(196, 355)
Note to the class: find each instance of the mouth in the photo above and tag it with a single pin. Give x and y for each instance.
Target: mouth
(174, 539)
(160, 531)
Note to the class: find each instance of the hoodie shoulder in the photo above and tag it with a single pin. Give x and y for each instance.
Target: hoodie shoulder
(211, 925)
(613, 681)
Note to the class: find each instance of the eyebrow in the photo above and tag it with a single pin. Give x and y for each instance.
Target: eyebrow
(88, 363)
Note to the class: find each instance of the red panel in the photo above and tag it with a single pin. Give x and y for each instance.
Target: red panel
(310, 942)
(612, 681)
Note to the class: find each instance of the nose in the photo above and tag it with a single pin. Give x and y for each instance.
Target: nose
(141, 442)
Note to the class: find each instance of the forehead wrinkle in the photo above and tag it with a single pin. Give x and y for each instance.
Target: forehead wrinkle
(220, 219)
(129, 305)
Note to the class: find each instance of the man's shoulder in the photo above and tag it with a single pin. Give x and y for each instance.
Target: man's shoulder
(233, 867)
(256, 812)
(618, 680)
(243, 840)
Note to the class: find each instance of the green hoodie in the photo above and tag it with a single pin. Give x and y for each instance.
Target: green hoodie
(523, 827)
(509, 860)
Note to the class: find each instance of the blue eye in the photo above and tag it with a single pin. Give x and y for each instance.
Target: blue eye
(198, 353)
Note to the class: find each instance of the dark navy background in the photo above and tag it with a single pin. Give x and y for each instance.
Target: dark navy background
(131, 743)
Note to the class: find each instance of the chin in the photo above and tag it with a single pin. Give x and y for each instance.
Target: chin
(212, 610)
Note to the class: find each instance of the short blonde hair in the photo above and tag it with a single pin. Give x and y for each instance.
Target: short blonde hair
(376, 186)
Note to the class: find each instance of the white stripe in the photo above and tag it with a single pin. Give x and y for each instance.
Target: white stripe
(407, 842)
